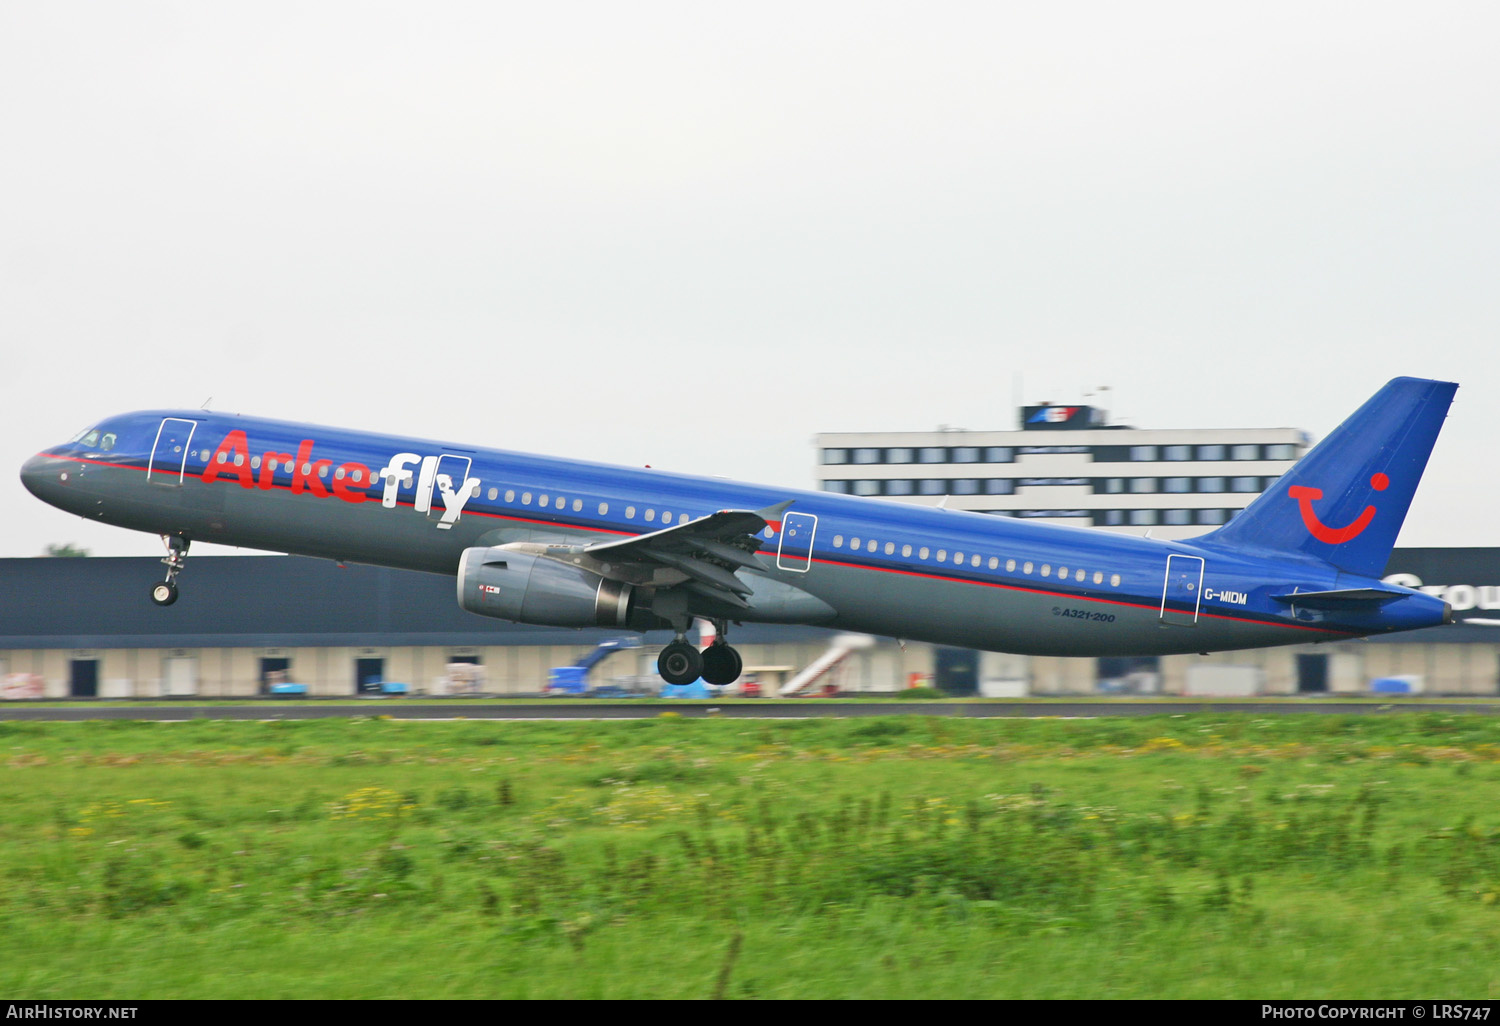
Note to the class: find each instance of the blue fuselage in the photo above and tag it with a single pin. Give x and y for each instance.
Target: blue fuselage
(914, 572)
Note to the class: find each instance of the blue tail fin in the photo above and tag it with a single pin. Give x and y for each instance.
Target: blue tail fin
(1343, 503)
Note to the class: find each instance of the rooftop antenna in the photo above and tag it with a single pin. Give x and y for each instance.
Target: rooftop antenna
(206, 402)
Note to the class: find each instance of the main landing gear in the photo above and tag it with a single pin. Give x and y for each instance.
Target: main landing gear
(164, 593)
(718, 664)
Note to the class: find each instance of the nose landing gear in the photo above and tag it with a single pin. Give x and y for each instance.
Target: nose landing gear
(164, 593)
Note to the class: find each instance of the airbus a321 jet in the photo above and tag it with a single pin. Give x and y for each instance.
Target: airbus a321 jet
(572, 544)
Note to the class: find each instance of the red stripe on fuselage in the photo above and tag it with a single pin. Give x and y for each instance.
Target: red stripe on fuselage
(826, 562)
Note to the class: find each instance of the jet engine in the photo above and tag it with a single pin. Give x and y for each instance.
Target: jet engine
(527, 588)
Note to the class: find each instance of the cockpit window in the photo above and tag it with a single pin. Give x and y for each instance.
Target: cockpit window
(93, 438)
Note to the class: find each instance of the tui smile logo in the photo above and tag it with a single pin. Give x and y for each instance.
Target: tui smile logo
(1334, 535)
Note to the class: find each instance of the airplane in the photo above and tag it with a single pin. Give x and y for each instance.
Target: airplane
(564, 543)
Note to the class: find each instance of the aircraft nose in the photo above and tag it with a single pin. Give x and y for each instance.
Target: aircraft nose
(45, 477)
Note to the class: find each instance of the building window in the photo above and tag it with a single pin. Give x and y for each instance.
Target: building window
(1211, 516)
(866, 455)
(838, 487)
(1177, 452)
(998, 486)
(1143, 517)
(1210, 484)
(898, 455)
(1177, 517)
(1113, 517)
(1244, 484)
(1210, 452)
(999, 454)
(866, 487)
(1283, 451)
(1113, 485)
(1245, 452)
(1142, 485)
(1177, 484)
(965, 486)
(899, 486)
(1143, 453)
(835, 456)
(932, 486)
(965, 454)
(932, 455)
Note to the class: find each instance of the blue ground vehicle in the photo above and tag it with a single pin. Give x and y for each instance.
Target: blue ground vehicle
(574, 680)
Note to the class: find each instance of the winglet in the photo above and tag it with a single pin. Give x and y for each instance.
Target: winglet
(772, 514)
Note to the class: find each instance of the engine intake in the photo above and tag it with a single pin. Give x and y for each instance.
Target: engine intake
(526, 588)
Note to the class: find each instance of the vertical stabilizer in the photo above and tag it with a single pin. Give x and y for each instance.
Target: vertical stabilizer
(1344, 502)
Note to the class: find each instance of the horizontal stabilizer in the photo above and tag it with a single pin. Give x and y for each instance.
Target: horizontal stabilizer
(1339, 599)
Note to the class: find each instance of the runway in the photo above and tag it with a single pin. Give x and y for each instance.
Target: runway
(501, 710)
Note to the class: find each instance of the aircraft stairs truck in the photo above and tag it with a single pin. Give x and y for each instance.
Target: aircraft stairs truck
(574, 680)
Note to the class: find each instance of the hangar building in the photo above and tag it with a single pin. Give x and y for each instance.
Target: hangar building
(85, 627)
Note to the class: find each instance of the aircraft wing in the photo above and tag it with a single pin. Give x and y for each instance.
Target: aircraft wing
(707, 551)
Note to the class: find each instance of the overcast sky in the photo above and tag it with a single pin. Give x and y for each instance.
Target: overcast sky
(694, 235)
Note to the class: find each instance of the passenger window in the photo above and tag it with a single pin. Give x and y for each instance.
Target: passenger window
(838, 541)
(1098, 577)
(942, 556)
(629, 512)
(1062, 573)
(906, 550)
(561, 502)
(890, 548)
(526, 498)
(542, 500)
(510, 495)
(650, 515)
(994, 563)
(682, 518)
(870, 547)
(854, 544)
(1046, 570)
(1010, 566)
(494, 493)
(577, 505)
(1079, 576)
(1027, 567)
(1114, 580)
(923, 552)
(958, 558)
(603, 508)
(975, 560)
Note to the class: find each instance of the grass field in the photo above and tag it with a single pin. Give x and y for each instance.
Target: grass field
(1166, 856)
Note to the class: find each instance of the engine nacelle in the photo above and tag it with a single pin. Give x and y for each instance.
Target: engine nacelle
(526, 588)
